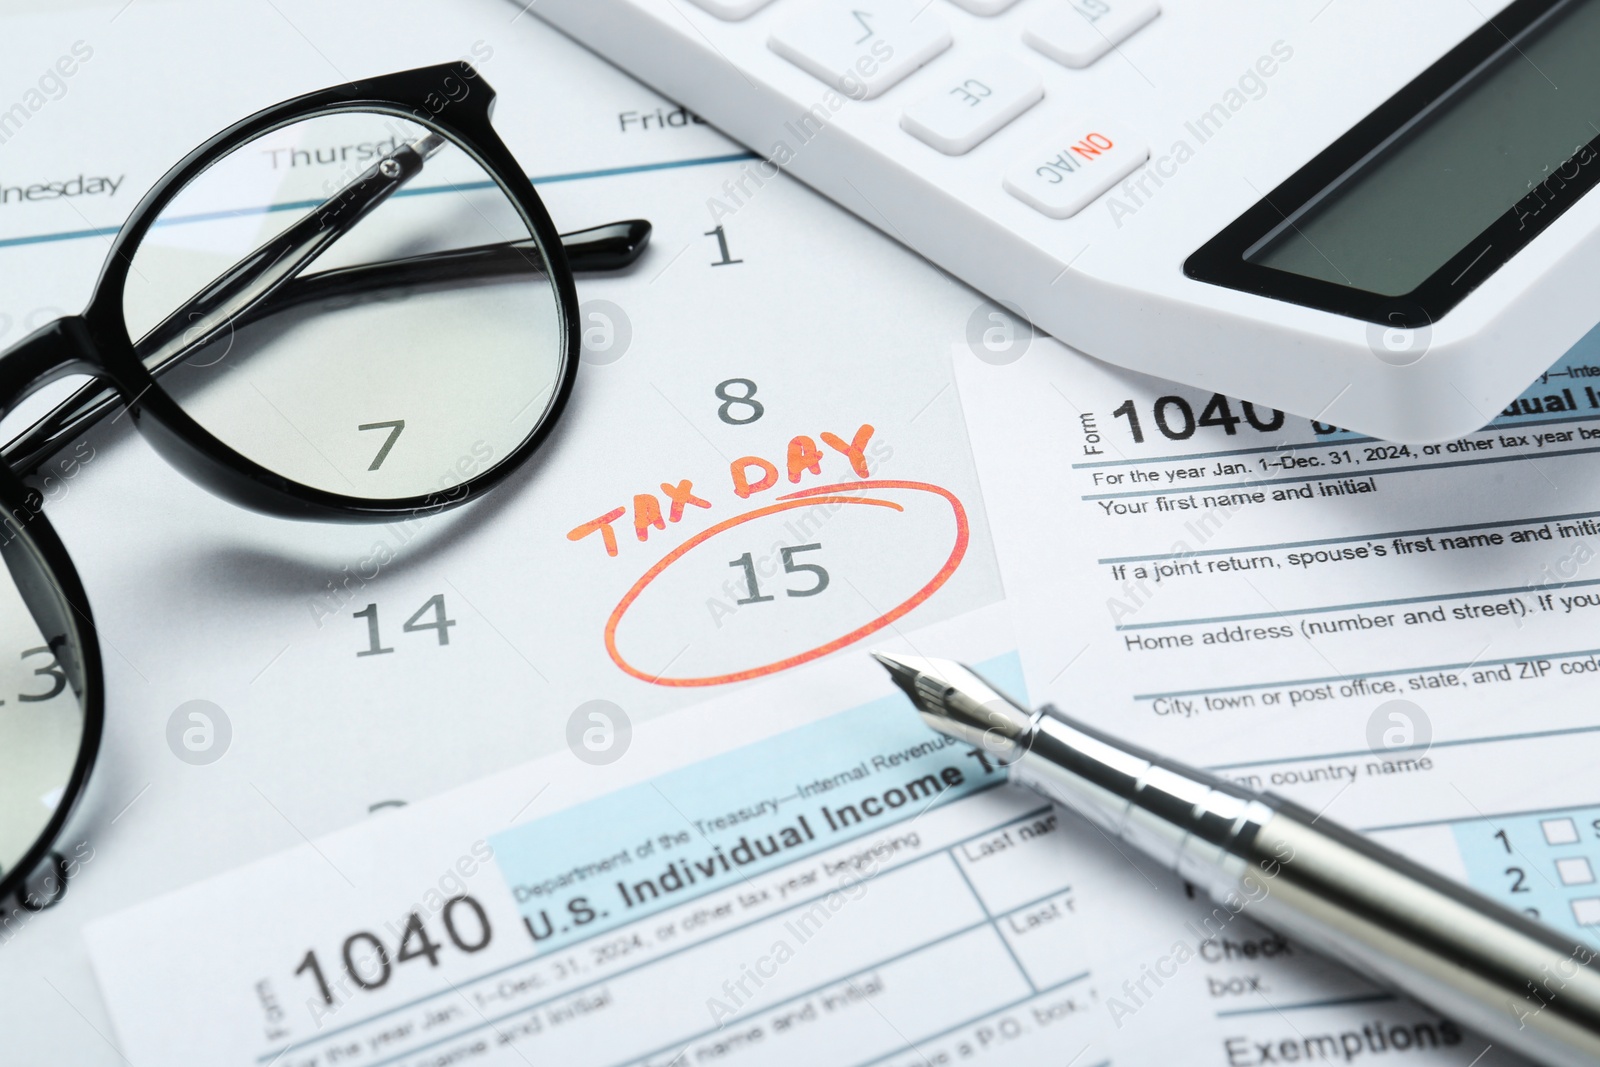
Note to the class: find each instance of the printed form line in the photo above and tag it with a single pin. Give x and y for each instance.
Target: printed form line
(1354, 471)
(301, 205)
(1031, 814)
(1529, 735)
(1331, 1002)
(1394, 602)
(1387, 536)
(1579, 654)
(1501, 422)
(876, 965)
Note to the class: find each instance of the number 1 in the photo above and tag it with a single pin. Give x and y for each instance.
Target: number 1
(1126, 411)
(370, 613)
(749, 565)
(722, 246)
(310, 964)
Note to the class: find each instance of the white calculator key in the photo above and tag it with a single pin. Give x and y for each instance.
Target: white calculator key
(972, 102)
(733, 10)
(1064, 175)
(861, 47)
(1075, 33)
(986, 7)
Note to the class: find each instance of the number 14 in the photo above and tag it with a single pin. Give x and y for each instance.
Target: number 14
(441, 622)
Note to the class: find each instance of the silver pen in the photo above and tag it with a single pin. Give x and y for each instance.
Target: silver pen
(1512, 980)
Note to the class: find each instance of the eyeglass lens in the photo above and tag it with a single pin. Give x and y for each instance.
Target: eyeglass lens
(42, 719)
(352, 302)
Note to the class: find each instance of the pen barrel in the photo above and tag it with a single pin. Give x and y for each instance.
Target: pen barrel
(1513, 980)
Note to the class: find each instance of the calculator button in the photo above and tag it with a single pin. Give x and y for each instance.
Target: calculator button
(972, 103)
(733, 10)
(861, 47)
(1063, 176)
(986, 7)
(1075, 33)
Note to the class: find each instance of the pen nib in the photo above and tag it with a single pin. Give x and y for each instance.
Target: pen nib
(955, 701)
(904, 673)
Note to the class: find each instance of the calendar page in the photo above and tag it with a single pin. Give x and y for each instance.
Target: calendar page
(763, 468)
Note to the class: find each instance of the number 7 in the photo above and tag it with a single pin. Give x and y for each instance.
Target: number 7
(394, 434)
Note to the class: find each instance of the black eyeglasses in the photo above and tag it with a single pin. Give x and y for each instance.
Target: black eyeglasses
(388, 329)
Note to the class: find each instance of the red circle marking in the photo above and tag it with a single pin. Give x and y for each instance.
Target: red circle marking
(804, 498)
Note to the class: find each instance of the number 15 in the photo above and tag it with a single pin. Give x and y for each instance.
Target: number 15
(747, 562)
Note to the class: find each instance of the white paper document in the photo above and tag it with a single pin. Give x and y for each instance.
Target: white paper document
(1404, 638)
(597, 771)
(851, 889)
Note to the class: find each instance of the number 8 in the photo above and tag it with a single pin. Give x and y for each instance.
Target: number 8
(748, 400)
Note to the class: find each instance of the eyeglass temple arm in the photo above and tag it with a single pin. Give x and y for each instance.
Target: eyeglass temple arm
(612, 246)
(233, 293)
(255, 277)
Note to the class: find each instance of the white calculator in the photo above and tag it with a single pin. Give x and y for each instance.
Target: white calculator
(1367, 212)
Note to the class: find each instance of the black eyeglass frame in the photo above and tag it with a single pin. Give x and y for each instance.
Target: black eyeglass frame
(89, 685)
(450, 99)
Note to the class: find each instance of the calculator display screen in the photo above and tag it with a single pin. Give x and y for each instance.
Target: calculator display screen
(1420, 202)
(1524, 119)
